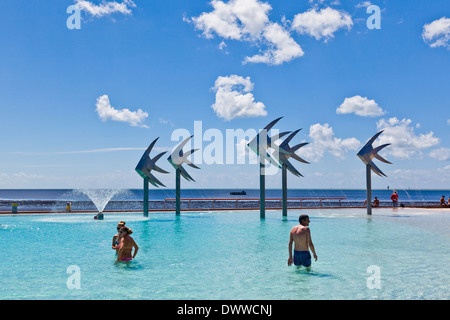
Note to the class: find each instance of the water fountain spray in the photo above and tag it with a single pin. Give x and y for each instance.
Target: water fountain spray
(99, 197)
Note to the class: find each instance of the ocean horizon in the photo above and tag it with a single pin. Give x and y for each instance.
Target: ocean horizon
(54, 200)
(161, 194)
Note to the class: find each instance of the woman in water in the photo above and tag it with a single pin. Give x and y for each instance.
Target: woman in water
(126, 245)
(116, 239)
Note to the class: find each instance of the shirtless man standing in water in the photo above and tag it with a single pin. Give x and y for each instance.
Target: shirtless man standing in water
(301, 235)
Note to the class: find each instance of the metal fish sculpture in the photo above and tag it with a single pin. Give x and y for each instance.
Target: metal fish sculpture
(262, 142)
(290, 153)
(178, 157)
(147, 164)
(367, 153)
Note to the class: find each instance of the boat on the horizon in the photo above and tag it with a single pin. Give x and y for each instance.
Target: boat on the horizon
(238, 193)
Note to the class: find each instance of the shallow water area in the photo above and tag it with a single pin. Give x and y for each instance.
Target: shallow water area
(228, 255)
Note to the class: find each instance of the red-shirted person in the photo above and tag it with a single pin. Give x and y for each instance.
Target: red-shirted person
(394, 198)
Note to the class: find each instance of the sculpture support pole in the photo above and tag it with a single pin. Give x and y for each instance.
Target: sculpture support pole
(369, 189)
(367, 154)
(145, 197)
(177, 191)
(262, 190)
(284, 189)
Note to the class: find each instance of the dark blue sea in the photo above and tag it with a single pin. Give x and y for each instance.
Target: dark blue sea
(132, 199)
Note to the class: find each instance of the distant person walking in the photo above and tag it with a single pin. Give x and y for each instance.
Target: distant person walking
(69, 207)
(126, 245)
(394, 198)
(301, 236)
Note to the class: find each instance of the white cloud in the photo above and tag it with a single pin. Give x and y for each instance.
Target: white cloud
(437, 33)
(315, 2)
(243, 155)
(363, 4)
(106, 7)
(24, 180)
(247, 20)
(448, 122)
(234, 98)
(282, 47)
(441, 154)
(360, 106)
(21, 176)
(236, 19)
(107, 112)
(404, 142)
(111, 179)
(323, 140)
(26, 153)
(97, 150)
(321, 24)
(223, 47)
(165, 121)
(436, 178)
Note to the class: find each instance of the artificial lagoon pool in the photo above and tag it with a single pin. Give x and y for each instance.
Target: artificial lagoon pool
(229, 255)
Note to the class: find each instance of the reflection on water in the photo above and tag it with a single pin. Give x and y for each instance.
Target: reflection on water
(88, 218)
(128, 265)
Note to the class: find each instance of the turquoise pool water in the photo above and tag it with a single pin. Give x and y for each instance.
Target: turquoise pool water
(228, 255)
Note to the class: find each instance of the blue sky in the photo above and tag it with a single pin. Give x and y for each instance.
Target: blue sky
(79, 106)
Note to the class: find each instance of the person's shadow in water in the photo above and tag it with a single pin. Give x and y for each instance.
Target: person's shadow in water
(312, 272)
(128, 265)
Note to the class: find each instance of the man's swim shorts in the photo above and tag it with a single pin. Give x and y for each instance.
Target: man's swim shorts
(302, 258)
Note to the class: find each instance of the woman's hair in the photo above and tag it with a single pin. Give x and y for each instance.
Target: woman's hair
(128, 230)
